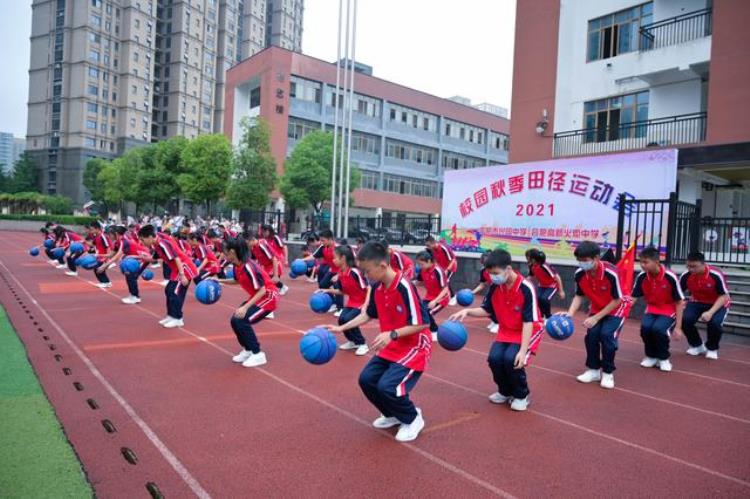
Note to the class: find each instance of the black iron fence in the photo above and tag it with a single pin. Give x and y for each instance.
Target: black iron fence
(676, 30)
(657, 132)
(676, 228)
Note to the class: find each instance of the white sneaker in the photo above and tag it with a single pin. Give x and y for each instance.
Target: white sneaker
(61, 266)
(311, 279)
(498, 398)
(255, 360)
(52, 262)
(383, 422)
(270, 315)
(649, 362)
(434, 337)
(409, 432)
(348, 345)
(165, 320)
(590, 375)
(332, 309)
(362, 350)
(242, 356)
(337, 313)
(155, 265)
(453, 302)
(712, 354)
(608, 381)
(284, 290)
(665, 365)
(131, 300)
(520, 404)
(699, 350)
(495, 328)
(490, 325)
(164, 282)
(173, 323)
(71, 273)
(104, 285)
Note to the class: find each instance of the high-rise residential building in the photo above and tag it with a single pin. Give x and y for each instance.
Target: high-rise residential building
(107, 75)
(11, 149)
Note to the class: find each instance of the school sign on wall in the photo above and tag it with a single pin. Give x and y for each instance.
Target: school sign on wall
(552, 204)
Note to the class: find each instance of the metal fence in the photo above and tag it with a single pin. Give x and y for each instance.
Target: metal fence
(676, 30)
(725, 240)
(657, 132)
(393, 228)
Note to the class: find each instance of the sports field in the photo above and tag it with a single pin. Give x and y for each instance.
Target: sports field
(150, 410)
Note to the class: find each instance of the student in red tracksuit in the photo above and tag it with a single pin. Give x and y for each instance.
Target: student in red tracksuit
(104, 251)
(446, 259)
(353, 286)
(512, 302)
(181, 272)
(129, 247)
(548, 280)
(63, 239)
(435, 283)
(263, 300)
(709, 303)
(599, 282)
(267, 258)
(664, 305)
(400, 262)
(403, 346)
(209, 264)
(327, 268)
(277, 244)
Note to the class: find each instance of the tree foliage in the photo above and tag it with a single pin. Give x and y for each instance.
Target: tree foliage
(207, 163)
(24, 177)
(253, 168)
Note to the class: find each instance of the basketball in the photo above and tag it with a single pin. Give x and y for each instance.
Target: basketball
(208, 292)
(320, 302)
(465, 297)
(318, 346)
(299, 267)
(34, 251)
(129, 266)
(559, 327)
(452, 335)
(147, 275)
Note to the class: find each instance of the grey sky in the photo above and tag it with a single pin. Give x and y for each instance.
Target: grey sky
(444, 47)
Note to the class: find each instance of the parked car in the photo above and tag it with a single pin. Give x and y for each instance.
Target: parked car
(390, 235)
(417, 236)
(363, 232)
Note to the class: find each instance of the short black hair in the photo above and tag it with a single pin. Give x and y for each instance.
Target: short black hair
(269, 228)
(249, 235)
(326, 233)
(425, 256)
(649, 253)
(147, 231)
(239, 246)
(498, 258)
(346, 253)
(536, 255)
(430, 239)
(384, 242)
(94, 225)
(587, 249)
(373, 251)
(696, 256)
(311, 239)
(212, 234)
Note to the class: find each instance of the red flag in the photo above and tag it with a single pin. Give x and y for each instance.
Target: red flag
(625, 269)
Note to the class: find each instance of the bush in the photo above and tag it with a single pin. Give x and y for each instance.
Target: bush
(61, 219)
(58, 204)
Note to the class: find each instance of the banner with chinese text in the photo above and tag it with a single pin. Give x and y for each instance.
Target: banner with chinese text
(552, 204)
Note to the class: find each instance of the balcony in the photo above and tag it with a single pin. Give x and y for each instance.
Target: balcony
(676, 30)
(658, 132)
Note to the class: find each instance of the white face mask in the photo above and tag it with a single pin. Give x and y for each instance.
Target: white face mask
(499, 278)
(586, 265)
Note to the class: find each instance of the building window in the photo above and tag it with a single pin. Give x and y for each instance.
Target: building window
(93, 72)
(305, 90)
(255, 97)
(612, 118)
(463, 132)
(89, 142)
(410, 152)
(618, 33)
(455, 161)
(92, 107)
(410, 186)
(369, 180)
(95, 37)
(91, 124)
(298, 128)
(93, 90)
(94, 55)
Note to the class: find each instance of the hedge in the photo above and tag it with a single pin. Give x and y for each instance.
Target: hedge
(61, 219)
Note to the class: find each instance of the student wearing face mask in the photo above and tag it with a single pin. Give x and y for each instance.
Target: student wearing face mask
(512, 303)
(598, 281)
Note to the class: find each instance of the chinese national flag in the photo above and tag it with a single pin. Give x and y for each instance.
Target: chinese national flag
(625, 269)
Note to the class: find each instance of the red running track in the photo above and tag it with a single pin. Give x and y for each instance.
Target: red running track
(200, 425)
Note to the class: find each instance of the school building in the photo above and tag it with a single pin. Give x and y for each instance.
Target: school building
(597, 77)
(402, 139)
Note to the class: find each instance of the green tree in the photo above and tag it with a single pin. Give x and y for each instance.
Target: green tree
(91, 178)
(207, 163)
(111, 181)
(168, 165)
(5, 179)
(25, 175)
(253, 168)
(307, 172)
(58, 205)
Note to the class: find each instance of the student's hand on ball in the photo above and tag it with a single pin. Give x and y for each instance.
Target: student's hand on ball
(590, 322)
(380, 341)
(706, 316)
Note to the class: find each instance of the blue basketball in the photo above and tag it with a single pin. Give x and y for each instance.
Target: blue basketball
(293, 275)
(452, 335)
(320, 302)
(310, 263)
(58, 252)
(318, 346)
(417, 271)
(465, 297)
(49, 243)
(147, 275)
(34, 251)
(229, 272)
(559, 327)
(208, 292)
(77, 248)
(299, 267)
(129, 266)
(88, 262)
(197, 262)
